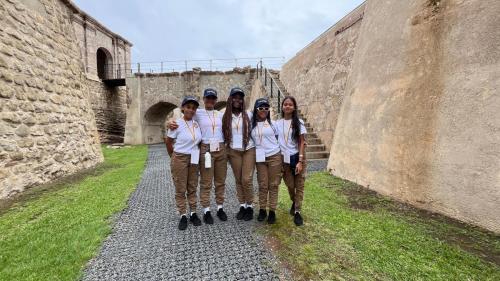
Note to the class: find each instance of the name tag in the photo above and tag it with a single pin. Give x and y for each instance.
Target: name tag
(260, 155)
(238, 141)
(214, 145)
(195, 156)
(286, 157)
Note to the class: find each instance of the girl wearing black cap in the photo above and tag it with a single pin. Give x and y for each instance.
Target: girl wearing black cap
(292, 143)
(185, 153)
(241, 150)
(268, 158)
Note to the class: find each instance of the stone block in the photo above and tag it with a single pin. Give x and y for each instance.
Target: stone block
(22, 130)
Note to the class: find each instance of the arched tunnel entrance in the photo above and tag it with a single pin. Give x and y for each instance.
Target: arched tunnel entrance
(104, 64)
(154, 121)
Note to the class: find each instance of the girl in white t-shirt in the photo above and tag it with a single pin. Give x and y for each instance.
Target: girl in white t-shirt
(183, 146)
(268, 158)
(236, 125)
(291, 138)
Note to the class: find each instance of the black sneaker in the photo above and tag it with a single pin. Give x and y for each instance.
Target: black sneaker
(183, 224)
(248, 214)
(207, 218)
(297, 219)
(221, 214)
(271, 219)
(292, 209)
(195, 220)
(241, 213)
(262, 215)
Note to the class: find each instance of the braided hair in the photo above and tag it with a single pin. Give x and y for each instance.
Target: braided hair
(227, 120)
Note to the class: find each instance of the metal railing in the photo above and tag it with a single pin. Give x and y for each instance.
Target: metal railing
(272, 87)
(120, 71)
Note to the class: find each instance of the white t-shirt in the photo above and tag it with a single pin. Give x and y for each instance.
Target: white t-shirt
(187, 136)
(285, 137)
(210, 122)
(264, 135)
(237, 130)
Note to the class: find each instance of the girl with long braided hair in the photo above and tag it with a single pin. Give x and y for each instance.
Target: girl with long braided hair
(236, 128)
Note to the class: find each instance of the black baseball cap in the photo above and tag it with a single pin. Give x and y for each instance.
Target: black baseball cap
(209, 92)
(235, 91)
(261, 102)
(190, 99)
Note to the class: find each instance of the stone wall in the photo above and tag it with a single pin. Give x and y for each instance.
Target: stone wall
(154, 96)
(110, 108)
(421, 116)
(47, 127)
(317, 75)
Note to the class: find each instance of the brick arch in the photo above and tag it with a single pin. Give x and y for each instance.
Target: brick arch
(154, 121)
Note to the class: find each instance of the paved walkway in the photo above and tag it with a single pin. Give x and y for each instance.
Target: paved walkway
(146, 245)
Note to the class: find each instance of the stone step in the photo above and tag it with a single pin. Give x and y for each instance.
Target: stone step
(318, 155)
(315, 148)
(313, 141)
(312, 136)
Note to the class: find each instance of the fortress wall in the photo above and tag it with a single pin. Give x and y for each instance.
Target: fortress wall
(47, 126)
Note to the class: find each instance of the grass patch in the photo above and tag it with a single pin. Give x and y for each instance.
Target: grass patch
(353, 233)
(51, 233)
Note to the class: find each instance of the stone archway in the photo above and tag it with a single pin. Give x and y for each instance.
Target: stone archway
(154, 121)
(104, 64)
(220, 106)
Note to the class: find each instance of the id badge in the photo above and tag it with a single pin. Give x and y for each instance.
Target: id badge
(260, 155)
(195, 156)
(286, 157)
(237, 141)
(214, 145)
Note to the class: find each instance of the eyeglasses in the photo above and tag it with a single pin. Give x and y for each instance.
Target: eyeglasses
(263, 108)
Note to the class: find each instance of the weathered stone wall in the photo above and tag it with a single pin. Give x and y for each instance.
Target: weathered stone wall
(110, 108)
(421, 115)
(47, 127)
(154, 96)
(317, 75)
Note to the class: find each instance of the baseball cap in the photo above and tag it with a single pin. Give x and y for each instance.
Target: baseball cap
(209, 92)
(190, 99)
(261, 102)
(235, 91)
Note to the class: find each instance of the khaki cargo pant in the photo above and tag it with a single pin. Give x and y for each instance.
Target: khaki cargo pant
(269, 178)
(243, 165)
(295, 184)
(216, 174)
(185, 178)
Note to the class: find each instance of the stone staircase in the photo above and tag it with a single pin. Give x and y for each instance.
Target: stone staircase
(315, 150)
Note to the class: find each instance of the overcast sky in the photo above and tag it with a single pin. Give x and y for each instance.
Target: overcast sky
(205, 29)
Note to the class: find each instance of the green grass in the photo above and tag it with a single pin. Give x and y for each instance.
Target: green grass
(52, 235)
(351, 233)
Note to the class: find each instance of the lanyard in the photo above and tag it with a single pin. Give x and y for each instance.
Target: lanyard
(212, 121)
(193, 132)
(287, 137)
(238, 124)
(260, 132)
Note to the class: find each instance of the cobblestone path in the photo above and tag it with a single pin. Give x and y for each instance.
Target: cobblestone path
(146, 245)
